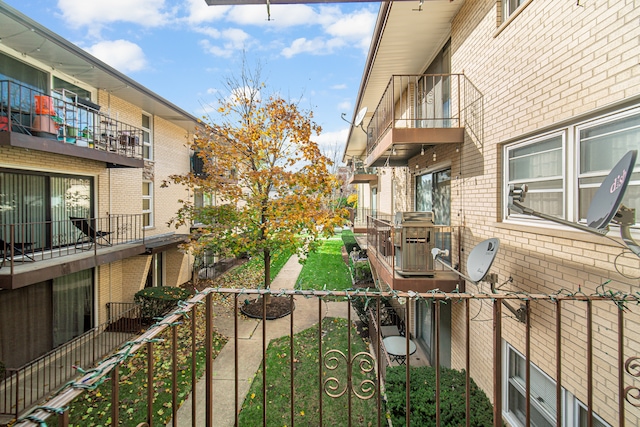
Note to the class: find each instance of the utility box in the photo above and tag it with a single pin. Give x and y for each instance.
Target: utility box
(414, 239)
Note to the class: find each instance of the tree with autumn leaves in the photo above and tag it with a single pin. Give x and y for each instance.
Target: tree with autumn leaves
(270, 182)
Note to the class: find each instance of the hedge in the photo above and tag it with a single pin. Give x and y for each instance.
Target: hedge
(423, 402)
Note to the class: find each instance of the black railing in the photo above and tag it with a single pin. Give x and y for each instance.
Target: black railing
(64, 116)
(21, 388)
(42, 240)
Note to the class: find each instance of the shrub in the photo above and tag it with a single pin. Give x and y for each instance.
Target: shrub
(423, 393)
(349, 241)
(156, 301)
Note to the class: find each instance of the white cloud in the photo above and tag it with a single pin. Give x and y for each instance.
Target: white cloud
(356, 27)
(233, 40)
(340, 30)
(344, 106)
(332, 144)
(282, 16)
(339, 86)
(199, 11)
(122, 55)
(95, 14)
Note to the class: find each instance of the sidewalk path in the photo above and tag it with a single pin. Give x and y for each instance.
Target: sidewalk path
(249, 351)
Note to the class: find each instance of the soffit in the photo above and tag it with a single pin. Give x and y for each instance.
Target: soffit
(31, 39)
(407, 42)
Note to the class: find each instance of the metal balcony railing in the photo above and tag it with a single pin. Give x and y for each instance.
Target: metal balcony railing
(426, 101)
(64, 116)
(599, 365)
(42, 240)
(21, 388)
(381, 237)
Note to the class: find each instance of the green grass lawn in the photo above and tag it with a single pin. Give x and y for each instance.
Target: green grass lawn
(306, 397)
(325, 269)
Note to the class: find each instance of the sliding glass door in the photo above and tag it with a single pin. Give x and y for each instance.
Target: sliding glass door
(39, 206)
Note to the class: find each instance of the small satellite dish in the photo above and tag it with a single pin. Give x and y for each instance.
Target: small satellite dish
(479, 262)
(481, 258)
(607, 199)
(360, 116)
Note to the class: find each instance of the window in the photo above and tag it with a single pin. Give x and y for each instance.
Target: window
(27, 197)
(147, 146)
(510, 6)
(155, 277)
(543, 397)
(539, 164)
(564, 169)
(542, 389)
(147, 204)
(601, 144)
(433, 194)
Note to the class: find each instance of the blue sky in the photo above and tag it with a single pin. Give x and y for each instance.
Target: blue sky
(183, 49)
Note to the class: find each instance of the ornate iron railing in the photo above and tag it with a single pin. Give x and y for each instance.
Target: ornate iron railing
(607, 356)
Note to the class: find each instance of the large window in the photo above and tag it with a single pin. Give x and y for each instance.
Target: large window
(564, 169)
(543, 402)
(33, 199)
(539, 164)
(542, 389)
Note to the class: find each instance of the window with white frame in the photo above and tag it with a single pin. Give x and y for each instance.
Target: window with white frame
(539, 164)
(542, 390)
(601, 144)
(543, 402)
(147, 204)
(563, 170)
(147, 146)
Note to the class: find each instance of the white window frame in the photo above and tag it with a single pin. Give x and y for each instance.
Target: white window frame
(147, 144)
(510, 352)
(562, 176)
(149, 211)
(571, 168)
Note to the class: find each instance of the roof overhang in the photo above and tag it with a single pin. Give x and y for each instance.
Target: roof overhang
(405, 41)
(29, 38)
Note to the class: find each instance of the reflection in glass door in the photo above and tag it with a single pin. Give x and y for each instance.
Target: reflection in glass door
(433, 194)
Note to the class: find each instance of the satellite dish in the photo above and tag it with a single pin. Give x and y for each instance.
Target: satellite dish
(607, 199)
(481, 258)
(360, 116)
(604, 208)
(479, 262)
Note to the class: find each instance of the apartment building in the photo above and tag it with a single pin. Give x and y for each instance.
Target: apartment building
(84, 150)
(459, 100)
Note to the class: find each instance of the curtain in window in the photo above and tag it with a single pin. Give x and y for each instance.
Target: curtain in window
(70, 196)
(23, 201)
(72, 306)
(601, 147)
(540, 167)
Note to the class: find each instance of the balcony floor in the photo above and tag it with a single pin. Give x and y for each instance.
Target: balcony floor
(48, 266)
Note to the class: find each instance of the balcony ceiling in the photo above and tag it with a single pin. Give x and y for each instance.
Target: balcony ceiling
(405, 41)
(31, 39)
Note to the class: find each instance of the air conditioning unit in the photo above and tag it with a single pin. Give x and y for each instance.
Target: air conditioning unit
(414, 239)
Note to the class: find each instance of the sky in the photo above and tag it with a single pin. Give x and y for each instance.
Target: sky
(184, 49)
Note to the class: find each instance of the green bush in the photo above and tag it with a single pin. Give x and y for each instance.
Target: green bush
(157, 301)
(349, 241)
(423, 403)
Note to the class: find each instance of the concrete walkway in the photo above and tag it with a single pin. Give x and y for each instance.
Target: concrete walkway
(249, 351)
